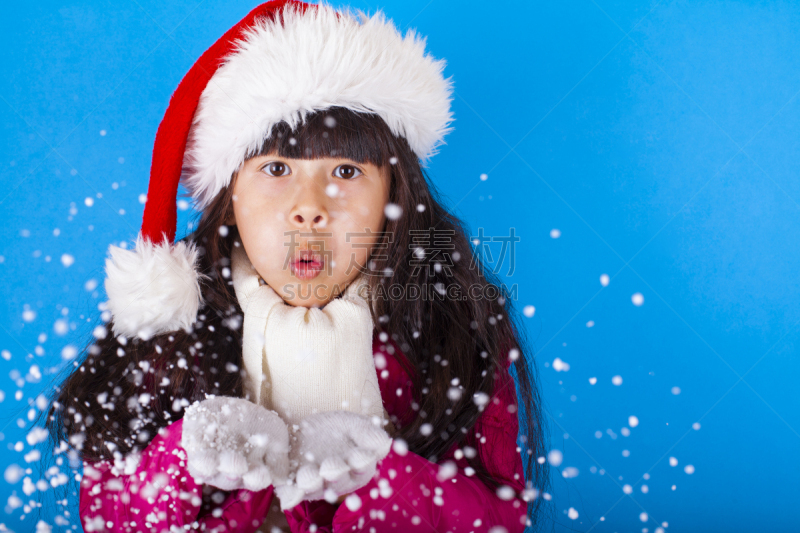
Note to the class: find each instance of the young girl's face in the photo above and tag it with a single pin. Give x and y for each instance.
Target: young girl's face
(309, 225)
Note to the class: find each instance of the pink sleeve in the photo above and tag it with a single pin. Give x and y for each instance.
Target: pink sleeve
(311, 517)
(407, 492)
(161, 495)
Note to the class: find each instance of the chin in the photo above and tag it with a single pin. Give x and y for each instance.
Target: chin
(300, 292)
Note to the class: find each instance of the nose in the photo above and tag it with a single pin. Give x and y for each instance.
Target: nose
(310, 210)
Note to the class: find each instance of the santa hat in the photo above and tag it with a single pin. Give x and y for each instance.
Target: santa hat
(280, 62)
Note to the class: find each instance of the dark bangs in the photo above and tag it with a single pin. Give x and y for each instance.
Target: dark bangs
(334, 132)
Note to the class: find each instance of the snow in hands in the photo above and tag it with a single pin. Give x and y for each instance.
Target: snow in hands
(333, 453)
(232, 443)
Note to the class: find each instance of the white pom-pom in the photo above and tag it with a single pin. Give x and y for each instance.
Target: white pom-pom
(153, 288)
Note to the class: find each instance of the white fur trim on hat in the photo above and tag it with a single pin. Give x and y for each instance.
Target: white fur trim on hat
(152, 289)
(313, 61)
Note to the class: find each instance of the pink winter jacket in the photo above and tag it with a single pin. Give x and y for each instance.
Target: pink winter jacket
(405, 495)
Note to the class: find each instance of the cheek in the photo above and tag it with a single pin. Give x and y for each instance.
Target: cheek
(366, 207)
(359, 237)
(262, 234)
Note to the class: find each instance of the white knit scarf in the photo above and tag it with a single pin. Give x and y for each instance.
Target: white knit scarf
(300, 360)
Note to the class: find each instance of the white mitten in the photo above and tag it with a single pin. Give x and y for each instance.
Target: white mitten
(233, 443)
(333, 453)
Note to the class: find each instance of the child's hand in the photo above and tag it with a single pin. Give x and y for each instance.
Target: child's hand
(333, 454)
(233, 443)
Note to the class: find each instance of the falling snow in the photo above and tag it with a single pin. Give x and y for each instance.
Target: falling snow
(559, 365)
(393, 211)
(221, 446)
(555, 457)
(28, 315)
(69, 352)
(569, 472)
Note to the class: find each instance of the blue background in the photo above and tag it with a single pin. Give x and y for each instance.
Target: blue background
(659, 138)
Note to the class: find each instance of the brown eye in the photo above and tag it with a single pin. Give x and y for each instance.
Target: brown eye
(276, 169)
(346, 172)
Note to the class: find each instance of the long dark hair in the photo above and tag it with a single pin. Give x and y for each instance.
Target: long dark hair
(126, 389)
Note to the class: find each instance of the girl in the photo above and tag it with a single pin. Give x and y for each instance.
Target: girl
(275, 370)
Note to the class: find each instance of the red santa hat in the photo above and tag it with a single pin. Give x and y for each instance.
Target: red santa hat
(282, 61)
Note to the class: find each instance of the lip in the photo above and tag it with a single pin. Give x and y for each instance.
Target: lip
(306, 264)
